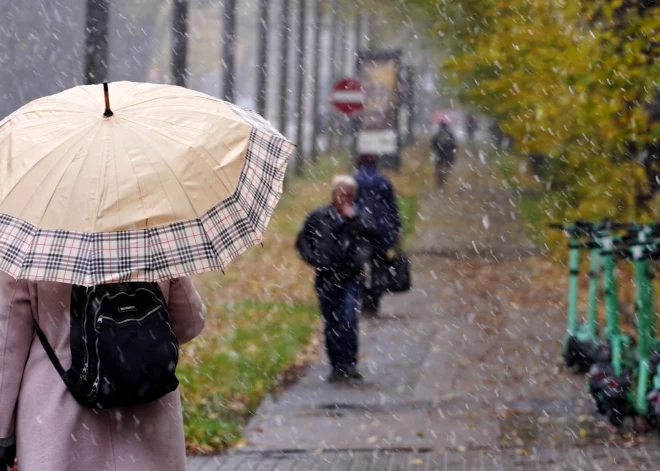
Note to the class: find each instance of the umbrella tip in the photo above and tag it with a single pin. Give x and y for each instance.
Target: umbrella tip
(108, 112)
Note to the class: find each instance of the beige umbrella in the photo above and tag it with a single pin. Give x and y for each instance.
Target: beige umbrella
(153, 182)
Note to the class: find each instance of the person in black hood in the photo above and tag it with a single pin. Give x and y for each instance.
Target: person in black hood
(336, 240)
(443, 146)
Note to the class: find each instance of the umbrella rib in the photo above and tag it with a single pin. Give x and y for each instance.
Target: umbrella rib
(92, 98)
(137, 180)
(167, 122)
(146, 101)
(163, 185)
(57, 146)
(38, 187)
(184, 144)
(191, 93)
(116, 104)
(34, 128)
(230, 117)
(81, 167)
(173, 173)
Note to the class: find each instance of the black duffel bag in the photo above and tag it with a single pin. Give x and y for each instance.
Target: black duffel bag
(399, 278)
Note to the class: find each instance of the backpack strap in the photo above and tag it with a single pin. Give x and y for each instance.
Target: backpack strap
(50, 352)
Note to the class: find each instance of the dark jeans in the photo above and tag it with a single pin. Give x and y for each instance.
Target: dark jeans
(443, 165)
(340, 302)
(377, 284)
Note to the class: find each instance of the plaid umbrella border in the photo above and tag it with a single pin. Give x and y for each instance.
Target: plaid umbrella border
(172, 251)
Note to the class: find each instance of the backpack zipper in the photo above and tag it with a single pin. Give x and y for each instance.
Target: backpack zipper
(100, 319)
(99, 323)
(83, 374)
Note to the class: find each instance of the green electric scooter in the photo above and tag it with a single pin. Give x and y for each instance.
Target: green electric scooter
(620, 386)
(635, 390)
(581, 339)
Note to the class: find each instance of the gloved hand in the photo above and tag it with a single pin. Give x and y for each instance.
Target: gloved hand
(7, 457)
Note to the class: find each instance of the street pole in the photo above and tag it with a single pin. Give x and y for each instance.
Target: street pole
(332, 27)
(229, 50)
(368, 29)
(356, 122)
(358, 33)
(334, 33)
(180, 42)
(284, 65)
(316, 86)
(341, 68)
(343, 48)
(96, 41)
(300, 87)
(262, 72)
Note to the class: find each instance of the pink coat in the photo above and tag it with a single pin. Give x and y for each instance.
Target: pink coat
(53, 432)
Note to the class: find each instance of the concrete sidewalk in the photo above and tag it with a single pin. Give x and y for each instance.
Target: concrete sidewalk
(460, 374)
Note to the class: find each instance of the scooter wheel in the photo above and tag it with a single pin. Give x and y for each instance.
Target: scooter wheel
(615, 417)
(569, 361)
(600, 407)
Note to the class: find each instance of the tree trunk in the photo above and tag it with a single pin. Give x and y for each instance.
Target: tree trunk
(96, 41)
(262, 72)
(229, 51)
(356, 122)
(284, 65)
(343, 47)
(300, 87)
(333, 27)
(180, 42)
(358, 36)
(334, 33)
(316, 92)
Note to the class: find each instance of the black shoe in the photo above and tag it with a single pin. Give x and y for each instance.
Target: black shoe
(353, 373)
(337, 377)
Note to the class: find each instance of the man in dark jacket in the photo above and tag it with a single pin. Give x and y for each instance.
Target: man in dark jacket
(336, 240)
(376, 197)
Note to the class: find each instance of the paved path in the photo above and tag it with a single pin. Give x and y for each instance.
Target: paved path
(461, 373)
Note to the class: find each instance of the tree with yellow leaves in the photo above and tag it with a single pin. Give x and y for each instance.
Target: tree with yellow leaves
(575, 81)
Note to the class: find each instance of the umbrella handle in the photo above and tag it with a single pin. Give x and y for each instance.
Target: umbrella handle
(108, 112)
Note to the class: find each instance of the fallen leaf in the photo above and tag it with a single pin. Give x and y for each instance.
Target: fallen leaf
(373, 439)
(241, 443)
(417, 462)
(585, 418)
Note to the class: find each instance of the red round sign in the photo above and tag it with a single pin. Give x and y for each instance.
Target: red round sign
(347, 96)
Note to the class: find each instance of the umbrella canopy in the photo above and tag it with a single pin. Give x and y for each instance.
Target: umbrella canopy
(170, 182)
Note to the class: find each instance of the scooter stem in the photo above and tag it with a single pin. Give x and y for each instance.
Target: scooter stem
(594, 277)
(574, 272)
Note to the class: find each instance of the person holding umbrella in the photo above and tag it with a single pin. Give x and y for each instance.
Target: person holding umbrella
(104, 214)
(443, 146)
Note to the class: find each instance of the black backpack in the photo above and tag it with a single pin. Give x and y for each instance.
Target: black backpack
(123, 349)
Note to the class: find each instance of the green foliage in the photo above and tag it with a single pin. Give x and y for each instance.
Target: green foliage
(231, 370)
(408, 207)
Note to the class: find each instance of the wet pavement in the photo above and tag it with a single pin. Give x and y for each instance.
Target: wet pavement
(460, 374)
